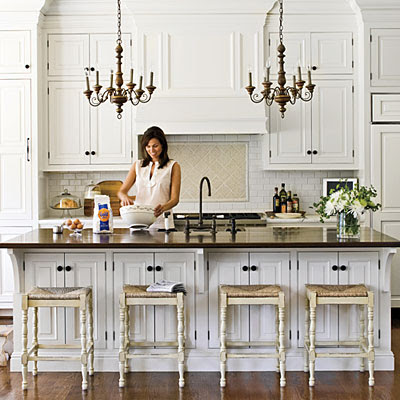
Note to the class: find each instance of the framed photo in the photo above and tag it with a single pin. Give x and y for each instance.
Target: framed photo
(331, 183)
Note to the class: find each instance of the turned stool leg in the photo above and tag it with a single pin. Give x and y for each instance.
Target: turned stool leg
(35, 339)
(181, 343)
(84, 358)
(122, 351)
(223, 309)
(282, 353)
(306, 333)
(127, 310)
(362, 335)
(371, 353)
(313, 305)
(90, 332)
(277, 335)
(24, 356)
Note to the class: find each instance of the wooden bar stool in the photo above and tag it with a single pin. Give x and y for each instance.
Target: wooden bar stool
(252, 295)
(339, 294)
(137, 295)
(78, 297)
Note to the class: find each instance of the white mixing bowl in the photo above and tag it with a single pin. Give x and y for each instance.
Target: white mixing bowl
(137, 216)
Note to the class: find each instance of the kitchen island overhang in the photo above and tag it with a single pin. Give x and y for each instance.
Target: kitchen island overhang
(302, 253)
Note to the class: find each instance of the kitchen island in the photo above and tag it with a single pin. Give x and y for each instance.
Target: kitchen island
(290, 257)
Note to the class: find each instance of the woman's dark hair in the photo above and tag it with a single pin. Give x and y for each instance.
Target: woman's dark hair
(155, 132)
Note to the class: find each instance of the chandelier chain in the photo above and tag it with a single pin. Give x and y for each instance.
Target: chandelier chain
(119, 41)
(281, 21)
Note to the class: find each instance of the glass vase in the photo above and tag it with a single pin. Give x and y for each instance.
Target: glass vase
(348, 226)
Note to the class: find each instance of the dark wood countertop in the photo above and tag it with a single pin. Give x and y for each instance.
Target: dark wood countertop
(271, 237)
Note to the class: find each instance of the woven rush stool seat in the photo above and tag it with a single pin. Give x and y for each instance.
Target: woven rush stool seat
(253, 295)
(338, 290)
(77, 297)
(137, 295)
(357, 294)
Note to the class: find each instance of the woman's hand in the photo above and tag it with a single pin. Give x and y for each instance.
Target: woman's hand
(158, 210)
(125, 200)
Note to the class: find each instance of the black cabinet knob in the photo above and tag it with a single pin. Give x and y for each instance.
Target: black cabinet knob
(253, 268)
(245, 268)
(86, 69)
(27, 66)
(308, 151)
(59, 268)
(314, 67)
(343, 268)
(149, 268)
(334, 267)
(92, 69)
(92, 153)
(87, 153)
(158, 268)
(315, 152)
(68, 268)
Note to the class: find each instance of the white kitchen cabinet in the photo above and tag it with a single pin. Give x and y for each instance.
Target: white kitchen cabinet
(61, 325)
(155, 323)
(15, 52)
(331, 268)
(15, 150)
(319, 132)
(385, 108)
(246, 323)
(325, 52)
(71, 54)
(385, 57)
(6, 268)
(83, 135)
(385, 178)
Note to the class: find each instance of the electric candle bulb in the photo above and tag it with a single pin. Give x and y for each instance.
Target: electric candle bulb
(111, 79)
(151, 78)
(309, 75)
(97, 77)
(131, 81)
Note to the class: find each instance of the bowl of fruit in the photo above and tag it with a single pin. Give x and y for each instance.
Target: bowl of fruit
(75, 226)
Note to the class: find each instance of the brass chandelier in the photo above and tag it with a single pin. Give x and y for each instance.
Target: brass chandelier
(119, 95)
(281, 94)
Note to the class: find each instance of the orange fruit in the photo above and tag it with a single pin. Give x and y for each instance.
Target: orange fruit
(68, 222)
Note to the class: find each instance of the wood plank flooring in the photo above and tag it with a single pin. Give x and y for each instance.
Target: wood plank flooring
(205, 385)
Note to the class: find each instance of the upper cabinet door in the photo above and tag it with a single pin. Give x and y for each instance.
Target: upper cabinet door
(15, 52)
(331, 53)
(385, 57)
(15, 158)
(290, 137)
(68, 54)
(102, 55)
(332, 122)
(297, 50)
(110, 138)
(68, 124)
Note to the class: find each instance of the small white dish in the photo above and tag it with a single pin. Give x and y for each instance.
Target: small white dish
(288, 215)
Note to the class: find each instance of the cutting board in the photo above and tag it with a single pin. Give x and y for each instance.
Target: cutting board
(111, 188)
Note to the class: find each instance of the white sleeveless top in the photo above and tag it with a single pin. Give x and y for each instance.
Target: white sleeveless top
(156, 190)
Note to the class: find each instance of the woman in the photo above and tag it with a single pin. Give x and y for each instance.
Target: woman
(157, 178)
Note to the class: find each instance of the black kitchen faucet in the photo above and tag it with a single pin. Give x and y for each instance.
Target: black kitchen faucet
(201, 197)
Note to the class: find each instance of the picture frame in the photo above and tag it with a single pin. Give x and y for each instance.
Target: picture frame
(331, 183)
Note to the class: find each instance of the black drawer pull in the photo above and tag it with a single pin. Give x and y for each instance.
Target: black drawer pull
(314, 68)
(253, 268)
(92, 152)
(87, 153)
(92, 69)
(68, 268)
(27, 66)
(59, 268)
(343, 268)
(334, 267)
(308, 152)
(149, 268)
(158, 268)
(315, 152)
(245, 268)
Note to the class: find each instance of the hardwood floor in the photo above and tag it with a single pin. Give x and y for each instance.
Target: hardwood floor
(205, 385)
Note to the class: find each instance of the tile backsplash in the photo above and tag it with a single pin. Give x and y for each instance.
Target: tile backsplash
(234, 166)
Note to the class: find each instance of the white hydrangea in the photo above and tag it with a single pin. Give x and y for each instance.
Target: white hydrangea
(356, 208)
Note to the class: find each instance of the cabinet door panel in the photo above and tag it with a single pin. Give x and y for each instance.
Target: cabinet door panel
(87, 270)
(360, 268)
(15, 52)
(332, 122)
(290, 137)
(68, 123)
(15, 169)
(272, 269)
(131, 268)
(317, 268)
(68, 55)
(178, 267)
(332, 53)
(226, 269)
(41, 270)
(110, 136)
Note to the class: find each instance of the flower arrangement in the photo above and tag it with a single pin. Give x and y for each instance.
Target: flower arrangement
(348, 205)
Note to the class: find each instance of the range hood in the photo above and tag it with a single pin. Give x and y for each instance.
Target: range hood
(201, 53)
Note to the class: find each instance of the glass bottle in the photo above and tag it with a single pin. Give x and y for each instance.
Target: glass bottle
(276, 202)
(283, 198)
(296, 203)
(289, 202)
